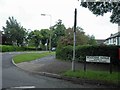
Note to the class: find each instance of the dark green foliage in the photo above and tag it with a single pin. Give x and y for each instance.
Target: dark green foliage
(58, 30)
(45, 35)
(35, 37)
(66, 53)
(14, 32)
(81, 38)
(100, 8)
(8, 48)
(31, 49)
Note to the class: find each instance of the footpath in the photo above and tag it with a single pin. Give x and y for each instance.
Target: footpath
(49, 66)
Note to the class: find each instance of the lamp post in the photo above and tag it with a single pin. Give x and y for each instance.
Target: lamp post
(49, 28)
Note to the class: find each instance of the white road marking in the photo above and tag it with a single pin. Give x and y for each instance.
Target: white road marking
(25, 87)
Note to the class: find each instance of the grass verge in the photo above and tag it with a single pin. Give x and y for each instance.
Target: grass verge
(30, 56)
(95, 75)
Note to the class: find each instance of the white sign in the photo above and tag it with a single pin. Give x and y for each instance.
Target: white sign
(102, 59)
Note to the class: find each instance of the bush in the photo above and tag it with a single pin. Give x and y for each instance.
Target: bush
(8, 48)
(66, 53)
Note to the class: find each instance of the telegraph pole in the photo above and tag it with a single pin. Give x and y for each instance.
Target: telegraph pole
(74, 41)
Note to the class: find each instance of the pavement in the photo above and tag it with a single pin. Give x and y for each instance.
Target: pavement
(50, 66)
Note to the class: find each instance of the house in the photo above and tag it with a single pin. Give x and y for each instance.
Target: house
(100, 41)
(114, 39)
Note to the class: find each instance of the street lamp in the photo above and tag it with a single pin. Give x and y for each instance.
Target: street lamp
(49, 28)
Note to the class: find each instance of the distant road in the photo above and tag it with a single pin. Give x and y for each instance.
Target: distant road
(12, 76)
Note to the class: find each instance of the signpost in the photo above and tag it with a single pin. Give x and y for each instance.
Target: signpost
(98, 59)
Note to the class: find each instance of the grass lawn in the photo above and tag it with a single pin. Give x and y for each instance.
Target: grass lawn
(30, 56)
(95, 75)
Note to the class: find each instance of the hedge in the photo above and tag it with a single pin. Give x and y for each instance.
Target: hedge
(8, 48)
(66, 53)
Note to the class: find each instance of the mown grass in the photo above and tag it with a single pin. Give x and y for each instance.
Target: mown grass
(95, 75)
(30, 56)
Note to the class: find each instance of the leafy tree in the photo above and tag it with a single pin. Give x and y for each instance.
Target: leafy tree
(91, 40)
(35, 38)
(100, 8)
(46, 35)
(67, 39)
(14, 32)
(58, 30)
(81, 38)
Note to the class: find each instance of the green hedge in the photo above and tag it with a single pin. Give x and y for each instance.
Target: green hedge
(66, 53)
(8, 48)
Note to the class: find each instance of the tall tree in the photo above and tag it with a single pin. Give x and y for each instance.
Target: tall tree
(46, 35)
(58, 30)
(81, 38)
(14, 32)
(35, 38)
(100, 8)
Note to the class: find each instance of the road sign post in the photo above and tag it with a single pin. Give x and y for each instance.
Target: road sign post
(99, 59)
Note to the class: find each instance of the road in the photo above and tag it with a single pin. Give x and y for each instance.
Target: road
(13, 76)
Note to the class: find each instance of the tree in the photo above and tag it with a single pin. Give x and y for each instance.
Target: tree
(14, 32)
(91, 40)
(100, 8)
(46, 35)
(81, 38)
(58, 30)
(35, 38)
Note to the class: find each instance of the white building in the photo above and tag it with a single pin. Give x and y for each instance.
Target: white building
(114, 39)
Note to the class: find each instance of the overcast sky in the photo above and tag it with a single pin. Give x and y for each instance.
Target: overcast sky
(28, 13)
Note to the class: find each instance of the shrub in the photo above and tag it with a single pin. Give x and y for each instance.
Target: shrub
(66, 53)
(8, 48)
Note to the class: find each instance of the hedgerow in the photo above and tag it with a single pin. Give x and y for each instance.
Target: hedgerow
(66, 52)
(9, 48)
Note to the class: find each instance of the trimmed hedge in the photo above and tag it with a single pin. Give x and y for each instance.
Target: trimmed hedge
(66, 53)
(8, 48)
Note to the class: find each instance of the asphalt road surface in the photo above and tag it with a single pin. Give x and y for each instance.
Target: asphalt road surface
(13, 76)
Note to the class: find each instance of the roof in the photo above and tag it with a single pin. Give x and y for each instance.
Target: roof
(114, 35)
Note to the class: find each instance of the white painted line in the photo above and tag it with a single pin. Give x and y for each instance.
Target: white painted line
(25, 87)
